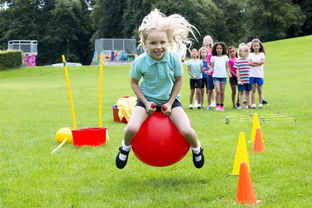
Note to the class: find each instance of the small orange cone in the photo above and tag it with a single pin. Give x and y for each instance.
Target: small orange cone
(245, 193)
(255, 125)
(258, 144)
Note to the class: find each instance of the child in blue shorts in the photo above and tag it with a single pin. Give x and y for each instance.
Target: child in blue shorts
(243, 72)
(256, 61)
(220, 68)
(162, 72)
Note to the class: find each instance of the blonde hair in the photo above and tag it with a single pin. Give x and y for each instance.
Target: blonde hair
(202, 49)
(175, 26)
(210, 38)
(242, 44)
(244, 47)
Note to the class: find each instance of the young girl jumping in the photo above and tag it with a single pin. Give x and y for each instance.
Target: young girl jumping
(162, 72)
(220, 68)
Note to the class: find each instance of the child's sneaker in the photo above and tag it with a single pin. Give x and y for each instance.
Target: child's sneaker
(198, 159)
(195, 104)
(253, 106)
(264, 102)
(208, 107)
(199, 106)
(260, 105)
(121, 163)
(190, 106)
(221, 108)
(239, 108)
(217, 108)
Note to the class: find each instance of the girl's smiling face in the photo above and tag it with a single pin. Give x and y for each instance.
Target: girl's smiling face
(156, 44)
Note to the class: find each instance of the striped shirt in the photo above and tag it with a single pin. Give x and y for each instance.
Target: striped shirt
(243, 69)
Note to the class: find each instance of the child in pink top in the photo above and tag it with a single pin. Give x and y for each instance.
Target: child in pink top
(233, 77)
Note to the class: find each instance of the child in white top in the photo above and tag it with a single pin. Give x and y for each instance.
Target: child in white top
(220, 68)
(256, 61)
(194, 66)
(161, 71)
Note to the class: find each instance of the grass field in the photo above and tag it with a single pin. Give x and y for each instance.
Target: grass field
(34, 105)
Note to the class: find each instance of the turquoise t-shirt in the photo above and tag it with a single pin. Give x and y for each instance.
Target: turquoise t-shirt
(158, 77)
(195, 66)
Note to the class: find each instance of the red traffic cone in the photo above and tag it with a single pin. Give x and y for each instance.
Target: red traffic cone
(258, 144)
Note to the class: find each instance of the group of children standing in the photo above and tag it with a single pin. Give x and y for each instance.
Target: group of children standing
(210, 66)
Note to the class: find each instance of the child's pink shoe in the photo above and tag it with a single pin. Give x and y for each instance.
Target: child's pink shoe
(221, 108)
(217, 108)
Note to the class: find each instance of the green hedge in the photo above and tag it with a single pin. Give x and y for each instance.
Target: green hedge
(10, 59)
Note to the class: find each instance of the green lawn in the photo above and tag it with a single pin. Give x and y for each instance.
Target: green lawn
(34, 105)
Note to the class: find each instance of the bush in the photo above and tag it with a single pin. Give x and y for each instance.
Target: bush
(10, 59)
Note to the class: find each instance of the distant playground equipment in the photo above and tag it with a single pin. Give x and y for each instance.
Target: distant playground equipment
(86, 136)
(29, 49)
(114, 50)
(158, 142)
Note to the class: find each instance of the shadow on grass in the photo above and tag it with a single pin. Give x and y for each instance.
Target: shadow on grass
(167, 181)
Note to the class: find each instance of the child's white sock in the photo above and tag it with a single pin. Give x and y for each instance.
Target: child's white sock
(196, 150)
(125, 148)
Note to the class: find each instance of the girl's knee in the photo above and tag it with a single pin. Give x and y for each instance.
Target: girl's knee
(132, 129)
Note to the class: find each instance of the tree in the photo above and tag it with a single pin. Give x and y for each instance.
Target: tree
(19, 21)
(271, 19)
(107, 19)
(68, 32)
(198, 13)
(230, 25)
(306, 7)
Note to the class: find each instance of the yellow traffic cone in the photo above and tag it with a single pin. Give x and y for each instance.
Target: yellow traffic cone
(241, 154)
(255, 125)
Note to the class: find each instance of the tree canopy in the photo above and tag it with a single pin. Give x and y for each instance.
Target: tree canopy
(70, 27)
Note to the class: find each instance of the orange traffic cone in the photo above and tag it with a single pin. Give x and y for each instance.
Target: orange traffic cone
(258, 145)
(245, 193)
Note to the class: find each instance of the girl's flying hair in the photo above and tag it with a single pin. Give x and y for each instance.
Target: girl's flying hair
(176, 27)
